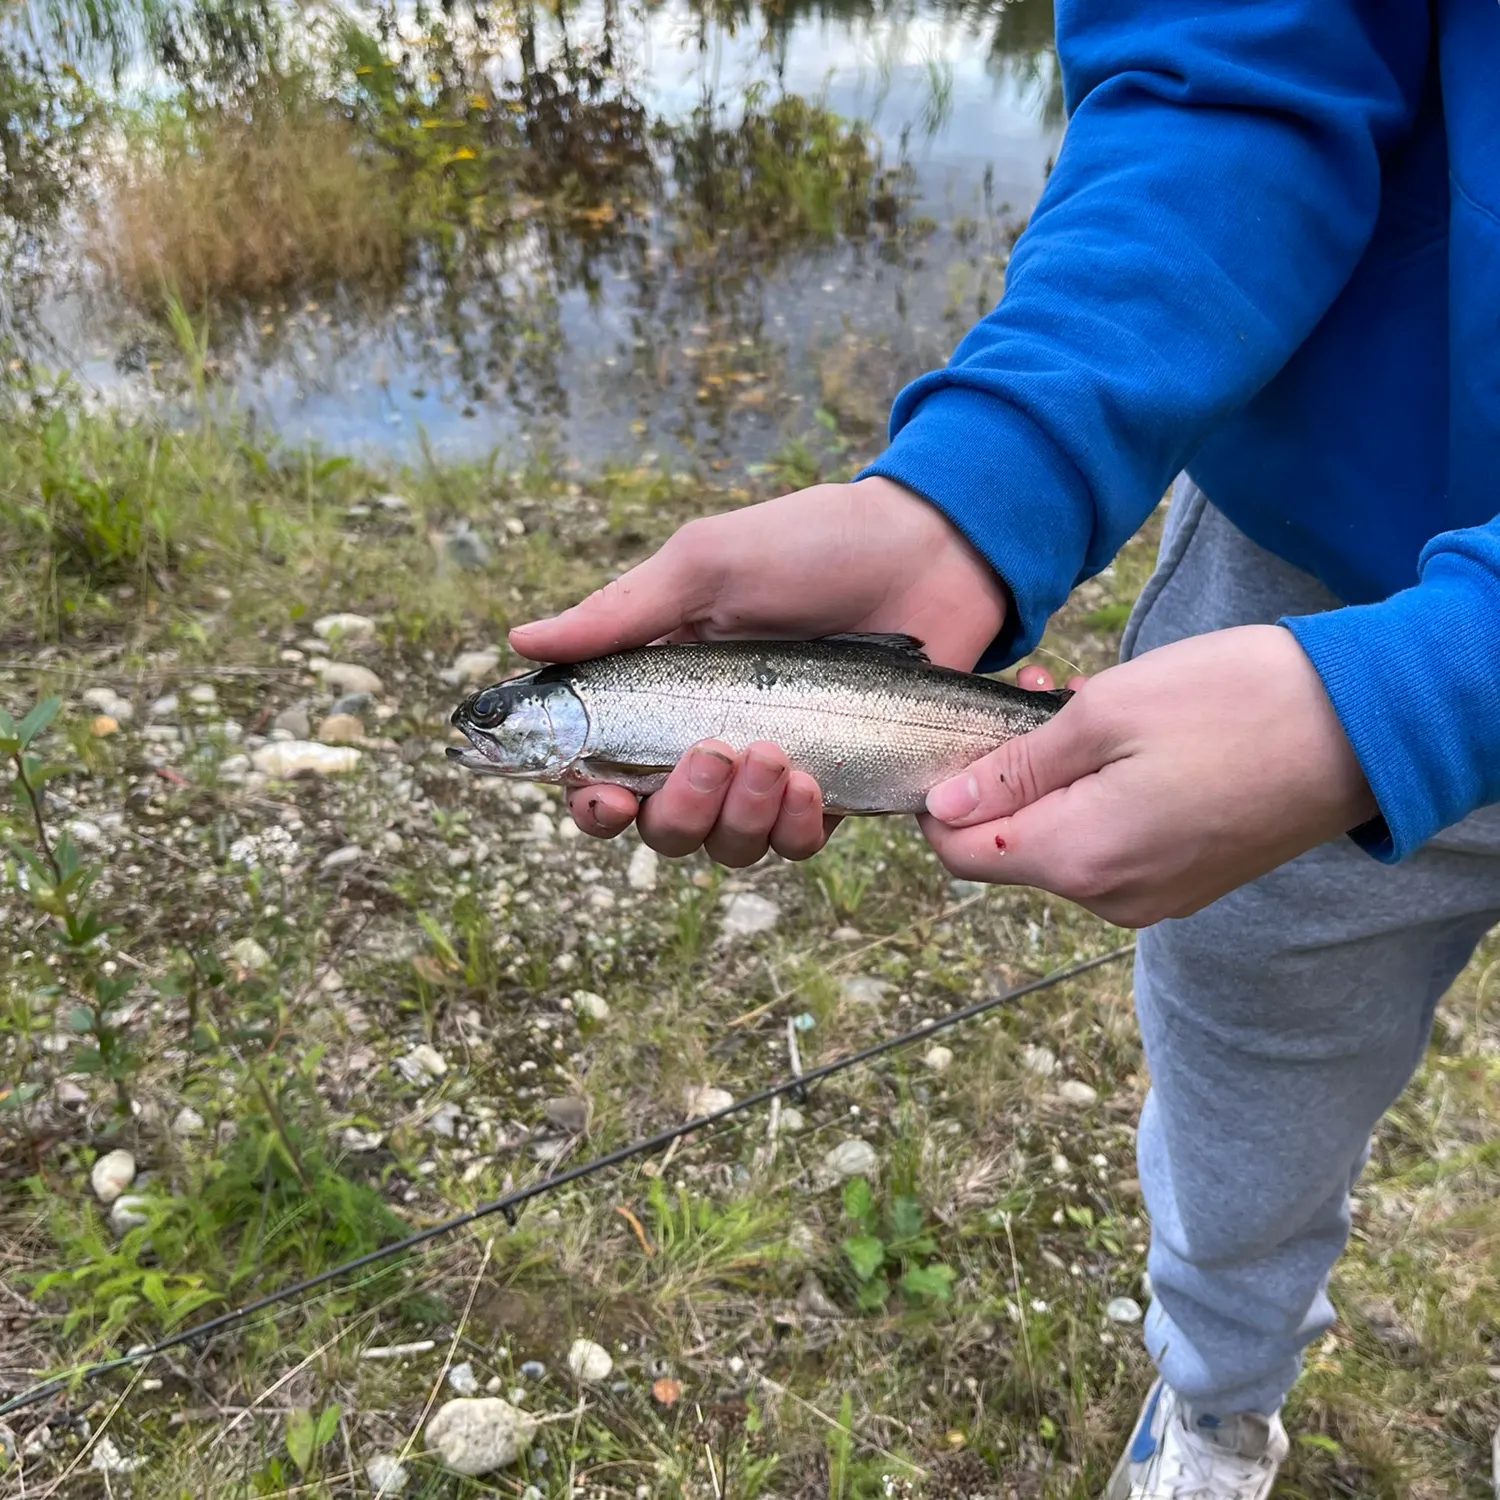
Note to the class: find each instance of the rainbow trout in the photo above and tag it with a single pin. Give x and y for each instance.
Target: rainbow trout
(868, 716)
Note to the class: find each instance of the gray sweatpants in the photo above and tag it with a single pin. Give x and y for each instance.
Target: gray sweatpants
(1279, 1024)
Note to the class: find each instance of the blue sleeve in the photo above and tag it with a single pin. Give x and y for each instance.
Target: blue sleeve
(1415, 681)
(1217, 184)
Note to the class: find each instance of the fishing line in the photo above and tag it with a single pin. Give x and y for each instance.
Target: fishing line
(796, 1086)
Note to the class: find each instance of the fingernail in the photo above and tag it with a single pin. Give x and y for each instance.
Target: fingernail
(762, 772)
(801, 800)
(709, 770)
(951, 800)
(532, 624)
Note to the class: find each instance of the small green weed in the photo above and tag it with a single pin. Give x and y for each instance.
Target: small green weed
(893, 1249)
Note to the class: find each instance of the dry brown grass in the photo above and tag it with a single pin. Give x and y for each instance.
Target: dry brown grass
(226, 207)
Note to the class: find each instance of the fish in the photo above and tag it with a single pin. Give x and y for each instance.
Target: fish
(868, 716)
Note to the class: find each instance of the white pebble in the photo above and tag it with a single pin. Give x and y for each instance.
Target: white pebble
(642, 872)
(387, 1475)
(589, 1362)
(705, 1099)
(1075, 1091)
(1123, 1310)
(746, 914)
(851, 1158)
(111, 1175)
(939, 1059)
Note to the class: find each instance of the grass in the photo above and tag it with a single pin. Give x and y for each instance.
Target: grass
(229, 204)
(469, 921)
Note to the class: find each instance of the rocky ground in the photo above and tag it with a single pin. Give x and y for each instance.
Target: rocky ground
(349, 990)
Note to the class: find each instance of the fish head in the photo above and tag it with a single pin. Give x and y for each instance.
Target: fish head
(533, 727)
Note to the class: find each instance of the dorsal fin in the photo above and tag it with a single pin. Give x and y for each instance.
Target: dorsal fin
(908, 647)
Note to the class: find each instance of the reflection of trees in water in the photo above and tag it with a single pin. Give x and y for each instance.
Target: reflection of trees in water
(680, 224)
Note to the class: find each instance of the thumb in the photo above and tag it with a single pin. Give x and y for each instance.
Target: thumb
(1021, 771)
(671, 588)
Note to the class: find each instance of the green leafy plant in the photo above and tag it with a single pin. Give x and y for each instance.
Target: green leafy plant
(307, 1436)
(51, 874)
(893, 1249)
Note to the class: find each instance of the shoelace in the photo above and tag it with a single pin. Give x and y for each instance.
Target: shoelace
(1204, 1469)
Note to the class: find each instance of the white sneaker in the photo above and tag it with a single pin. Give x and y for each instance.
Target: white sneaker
(1172, 1457)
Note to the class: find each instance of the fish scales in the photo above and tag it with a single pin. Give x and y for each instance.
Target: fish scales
(870, 718)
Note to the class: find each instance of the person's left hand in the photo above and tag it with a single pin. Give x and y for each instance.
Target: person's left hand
(1164, 784)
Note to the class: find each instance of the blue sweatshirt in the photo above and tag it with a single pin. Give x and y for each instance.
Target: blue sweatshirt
(1269, 255)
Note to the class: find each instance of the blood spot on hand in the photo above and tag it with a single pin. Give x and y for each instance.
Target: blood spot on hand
(1000, 843)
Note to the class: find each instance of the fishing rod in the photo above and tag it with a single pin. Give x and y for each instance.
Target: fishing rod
(796, 1086)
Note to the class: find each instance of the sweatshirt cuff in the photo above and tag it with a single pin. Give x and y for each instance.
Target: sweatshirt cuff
(1008, 488)
(1415, 681)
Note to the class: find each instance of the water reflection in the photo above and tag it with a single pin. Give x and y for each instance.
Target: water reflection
(625, 226)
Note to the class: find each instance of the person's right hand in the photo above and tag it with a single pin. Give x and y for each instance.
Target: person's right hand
(870, 556)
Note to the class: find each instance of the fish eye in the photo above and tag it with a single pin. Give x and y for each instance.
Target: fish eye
(488, 708)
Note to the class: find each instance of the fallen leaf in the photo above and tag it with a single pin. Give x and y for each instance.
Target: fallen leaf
(667, 1392)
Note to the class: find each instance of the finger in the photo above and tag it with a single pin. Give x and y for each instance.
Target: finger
(1034, 679)
(751, 807)
(1062, 843)
(676, 820)
(1021, 771)
(647, 603)
(603, 811)
(800, 829)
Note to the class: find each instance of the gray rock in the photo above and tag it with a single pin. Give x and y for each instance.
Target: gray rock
(111, 1175)
(444, 1122)
(293, 721)
(341, 859)
(465, 548)
(164, 707)
(203, 694)
(863, 989)
(84, 832)
(568, 1113)
(359, 1141)
(129, 1211)
(393, 504)
(463, 1379)
(939, 1059)
(187, 1121)
(107, 1458)
(746, 914)
(1123, 1310)
(533, 1369)
(476, 1435)
(814, 1302)
(851, 1158)
(352, 704)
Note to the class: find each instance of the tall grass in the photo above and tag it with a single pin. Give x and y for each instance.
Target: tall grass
(231, 204)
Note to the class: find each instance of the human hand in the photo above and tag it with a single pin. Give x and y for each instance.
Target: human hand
(870, 556)
(1167, 782)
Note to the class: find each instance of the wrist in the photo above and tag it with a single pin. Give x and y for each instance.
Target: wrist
(967, 584)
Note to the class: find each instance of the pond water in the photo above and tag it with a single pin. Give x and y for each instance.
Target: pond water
(613, 341)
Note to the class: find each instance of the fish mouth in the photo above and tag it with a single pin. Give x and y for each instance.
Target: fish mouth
(473, 760)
